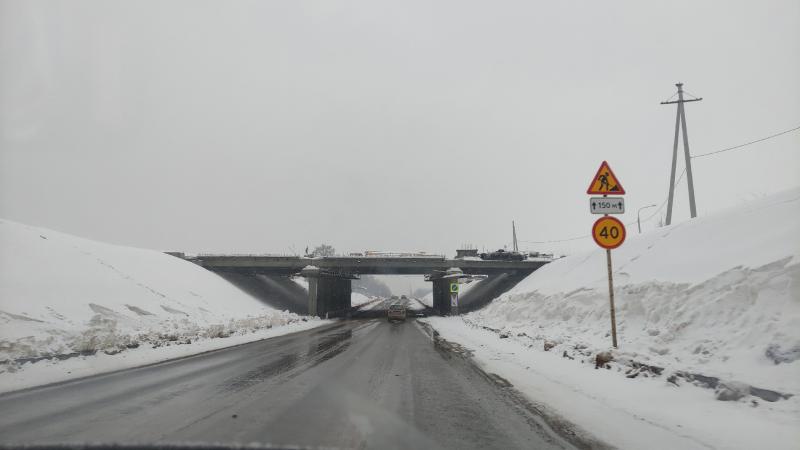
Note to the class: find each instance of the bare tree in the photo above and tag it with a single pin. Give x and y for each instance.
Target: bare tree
(324, 250)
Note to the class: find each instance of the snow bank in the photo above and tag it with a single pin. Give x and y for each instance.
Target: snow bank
(63, 296)
(625, 413)
(718, 295)
(301, 282)
(715, 297)
(427, 300)
(358, 299)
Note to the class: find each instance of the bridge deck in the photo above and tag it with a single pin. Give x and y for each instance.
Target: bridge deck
(363, 265)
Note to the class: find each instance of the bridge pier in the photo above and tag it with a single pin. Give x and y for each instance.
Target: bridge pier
(441, 295)
(441, 289)
(328, 293)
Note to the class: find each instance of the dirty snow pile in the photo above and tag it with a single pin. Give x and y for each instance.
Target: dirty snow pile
(63, 297)
(358, 299)
(709, 307)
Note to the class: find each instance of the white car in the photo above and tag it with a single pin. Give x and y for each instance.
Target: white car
(396, 312)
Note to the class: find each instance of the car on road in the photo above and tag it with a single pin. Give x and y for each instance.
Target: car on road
(396, 311)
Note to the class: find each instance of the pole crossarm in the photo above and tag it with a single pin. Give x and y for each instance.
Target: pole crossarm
(682, 101)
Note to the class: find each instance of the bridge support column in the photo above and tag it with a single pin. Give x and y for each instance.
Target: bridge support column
(327, 293)
(441, 296)
(441, 288)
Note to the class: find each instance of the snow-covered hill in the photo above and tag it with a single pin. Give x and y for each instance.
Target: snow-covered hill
(716, 297)
(63, 295)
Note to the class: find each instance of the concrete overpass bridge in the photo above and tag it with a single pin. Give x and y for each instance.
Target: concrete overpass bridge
(329, 278)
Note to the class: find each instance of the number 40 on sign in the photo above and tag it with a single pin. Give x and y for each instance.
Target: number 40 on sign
(608, 232)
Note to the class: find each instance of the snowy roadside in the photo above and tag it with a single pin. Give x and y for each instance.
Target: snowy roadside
(72, 307)
(47, 371)
(708, 324)
(629, 413)
(359, 299)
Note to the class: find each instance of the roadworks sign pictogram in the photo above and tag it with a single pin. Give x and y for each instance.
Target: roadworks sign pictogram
(605, 182)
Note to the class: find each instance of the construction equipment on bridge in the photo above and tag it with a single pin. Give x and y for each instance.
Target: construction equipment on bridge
(502, 255)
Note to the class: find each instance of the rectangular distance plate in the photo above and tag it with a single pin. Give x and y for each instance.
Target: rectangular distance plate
(607, 205)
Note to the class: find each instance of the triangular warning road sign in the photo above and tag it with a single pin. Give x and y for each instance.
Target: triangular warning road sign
(605, 182)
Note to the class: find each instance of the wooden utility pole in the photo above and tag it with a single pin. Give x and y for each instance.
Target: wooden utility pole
(611, 300)
(680, 123)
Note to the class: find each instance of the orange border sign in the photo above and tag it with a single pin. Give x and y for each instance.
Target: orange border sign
(605, 182)
(608, 232)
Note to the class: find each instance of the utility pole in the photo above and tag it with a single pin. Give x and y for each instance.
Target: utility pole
(514, 235)
(680, 123)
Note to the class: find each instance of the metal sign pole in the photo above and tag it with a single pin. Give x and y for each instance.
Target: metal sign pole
(611, 300)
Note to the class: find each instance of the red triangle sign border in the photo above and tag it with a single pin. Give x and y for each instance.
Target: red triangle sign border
(605, 164)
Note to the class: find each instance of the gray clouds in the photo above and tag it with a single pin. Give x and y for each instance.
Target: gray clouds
(255, 126)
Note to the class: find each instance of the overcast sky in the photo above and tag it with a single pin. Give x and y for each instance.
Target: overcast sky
(267, 126)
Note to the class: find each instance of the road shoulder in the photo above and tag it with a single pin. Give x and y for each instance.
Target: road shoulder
(604, 406)
(549, 419)
(47, 372)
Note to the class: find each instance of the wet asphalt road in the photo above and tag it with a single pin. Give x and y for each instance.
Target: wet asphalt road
(352, 384)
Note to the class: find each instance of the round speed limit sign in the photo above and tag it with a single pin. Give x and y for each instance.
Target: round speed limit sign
(608, 232)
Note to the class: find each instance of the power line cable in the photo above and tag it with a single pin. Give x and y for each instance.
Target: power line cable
(664, 202)
(658, 210)
(687, 92)
(746, 144)
(556, 240)
(629, 223)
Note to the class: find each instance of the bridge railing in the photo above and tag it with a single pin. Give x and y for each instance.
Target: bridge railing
(348, 256)
(246, 255)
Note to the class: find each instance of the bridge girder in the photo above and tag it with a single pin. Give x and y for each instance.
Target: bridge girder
(362, 266)
(330, 277)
